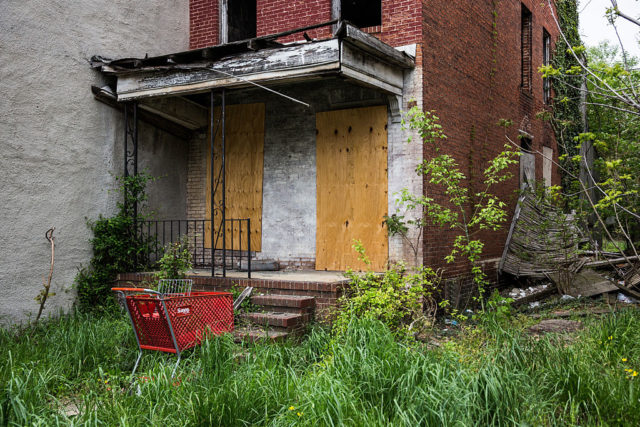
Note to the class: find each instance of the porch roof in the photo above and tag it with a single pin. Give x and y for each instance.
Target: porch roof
(350, 53)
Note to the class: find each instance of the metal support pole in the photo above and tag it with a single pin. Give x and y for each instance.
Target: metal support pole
(211, 191)
(224, 192)
(248, 248)
(125, 156)
(134, 137)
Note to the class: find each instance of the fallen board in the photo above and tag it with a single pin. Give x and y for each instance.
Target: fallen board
(587, 283)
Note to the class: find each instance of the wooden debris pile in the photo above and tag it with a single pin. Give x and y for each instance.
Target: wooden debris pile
(544, 242)
(541, 239)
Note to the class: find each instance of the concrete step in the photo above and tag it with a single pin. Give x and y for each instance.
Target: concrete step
(253, 334)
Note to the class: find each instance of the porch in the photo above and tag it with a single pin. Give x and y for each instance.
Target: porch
(285, 152)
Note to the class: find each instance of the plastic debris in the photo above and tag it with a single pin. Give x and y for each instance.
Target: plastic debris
(625, 299)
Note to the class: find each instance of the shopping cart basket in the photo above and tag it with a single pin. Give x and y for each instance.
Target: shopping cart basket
(173, 319)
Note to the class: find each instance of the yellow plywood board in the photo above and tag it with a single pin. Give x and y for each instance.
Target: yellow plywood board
(244, 172)
(351, 156)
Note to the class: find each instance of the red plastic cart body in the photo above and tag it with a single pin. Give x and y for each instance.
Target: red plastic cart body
(175, 322)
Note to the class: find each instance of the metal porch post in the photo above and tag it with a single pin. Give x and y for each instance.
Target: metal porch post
(212, 188)
(224, 190)
(131, 157)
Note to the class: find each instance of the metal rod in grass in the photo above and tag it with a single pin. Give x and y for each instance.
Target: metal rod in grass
(46, 283)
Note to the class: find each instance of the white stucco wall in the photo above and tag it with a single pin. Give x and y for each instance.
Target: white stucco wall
(58, 146)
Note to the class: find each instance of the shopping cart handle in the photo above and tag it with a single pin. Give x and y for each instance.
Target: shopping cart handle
(134, 290)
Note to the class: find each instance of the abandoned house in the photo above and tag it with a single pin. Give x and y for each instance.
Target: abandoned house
(275, 126)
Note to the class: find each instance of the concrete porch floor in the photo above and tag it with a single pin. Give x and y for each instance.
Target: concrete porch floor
(283, 275)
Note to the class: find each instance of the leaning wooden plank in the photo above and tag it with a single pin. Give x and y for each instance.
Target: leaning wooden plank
(608, 262)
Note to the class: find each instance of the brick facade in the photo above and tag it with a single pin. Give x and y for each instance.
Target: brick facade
(400, 20)
(471, 76)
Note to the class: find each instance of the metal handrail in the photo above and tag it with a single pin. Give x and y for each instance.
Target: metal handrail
(162, 233)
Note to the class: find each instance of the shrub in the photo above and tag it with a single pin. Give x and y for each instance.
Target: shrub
(396, 297)
(116, 246)
(175, 262)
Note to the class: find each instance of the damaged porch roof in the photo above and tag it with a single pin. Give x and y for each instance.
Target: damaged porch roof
(351, 53)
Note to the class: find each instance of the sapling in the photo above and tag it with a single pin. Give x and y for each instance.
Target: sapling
(467, 214)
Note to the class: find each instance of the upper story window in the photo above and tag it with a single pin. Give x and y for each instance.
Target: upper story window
(238, 20)
(362, 13)
(546, 60)
(525, 49)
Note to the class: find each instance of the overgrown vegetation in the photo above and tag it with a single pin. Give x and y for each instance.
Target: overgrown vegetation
(567, 118)
(405, 302)
(600, 160)
(493, 374)
(116, 247)
(464, 212)
(175, 262)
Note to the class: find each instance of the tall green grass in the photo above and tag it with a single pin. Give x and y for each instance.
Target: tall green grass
(490, 375)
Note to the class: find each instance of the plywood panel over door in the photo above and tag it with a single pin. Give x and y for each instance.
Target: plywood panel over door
(351, 149)
(244, 172)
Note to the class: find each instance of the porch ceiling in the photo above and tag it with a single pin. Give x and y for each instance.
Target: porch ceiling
(352, 53)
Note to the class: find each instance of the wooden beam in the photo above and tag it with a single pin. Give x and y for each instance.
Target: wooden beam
(375, 47)
(154, 120)
(362, 66)
(259, 66)
(179, 110)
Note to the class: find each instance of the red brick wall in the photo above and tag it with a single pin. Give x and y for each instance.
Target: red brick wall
(203, 23)
(276, 16)
(458, 58)
(400, 20)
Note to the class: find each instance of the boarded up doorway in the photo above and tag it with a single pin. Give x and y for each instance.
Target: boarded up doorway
(244, 172)
(351, 156)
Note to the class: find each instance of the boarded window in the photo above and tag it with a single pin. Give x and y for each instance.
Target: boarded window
(362, 13)
(547, 157)
(525, 49)
(527, 163)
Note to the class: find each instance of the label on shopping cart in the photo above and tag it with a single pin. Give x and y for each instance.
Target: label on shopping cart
(183, 311)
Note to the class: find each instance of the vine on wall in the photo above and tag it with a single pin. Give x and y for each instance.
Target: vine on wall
(567, 119)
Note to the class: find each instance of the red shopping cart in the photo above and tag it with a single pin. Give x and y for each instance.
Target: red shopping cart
(173, 319)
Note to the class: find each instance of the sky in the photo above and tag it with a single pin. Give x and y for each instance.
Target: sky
(594, 26)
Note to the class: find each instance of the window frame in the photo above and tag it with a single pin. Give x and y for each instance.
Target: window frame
(526, 63)
(546, 61)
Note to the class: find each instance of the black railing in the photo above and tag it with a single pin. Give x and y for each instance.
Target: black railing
(196, 234)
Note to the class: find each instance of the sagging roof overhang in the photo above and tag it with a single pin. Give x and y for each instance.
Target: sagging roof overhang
(350, 53)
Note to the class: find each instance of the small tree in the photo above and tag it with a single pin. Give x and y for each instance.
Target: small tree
(467, 214)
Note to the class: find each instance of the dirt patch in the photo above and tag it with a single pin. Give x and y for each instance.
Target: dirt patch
(557, 326)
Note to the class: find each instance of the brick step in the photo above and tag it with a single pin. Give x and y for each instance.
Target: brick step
(276, 320)
(286, 304)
